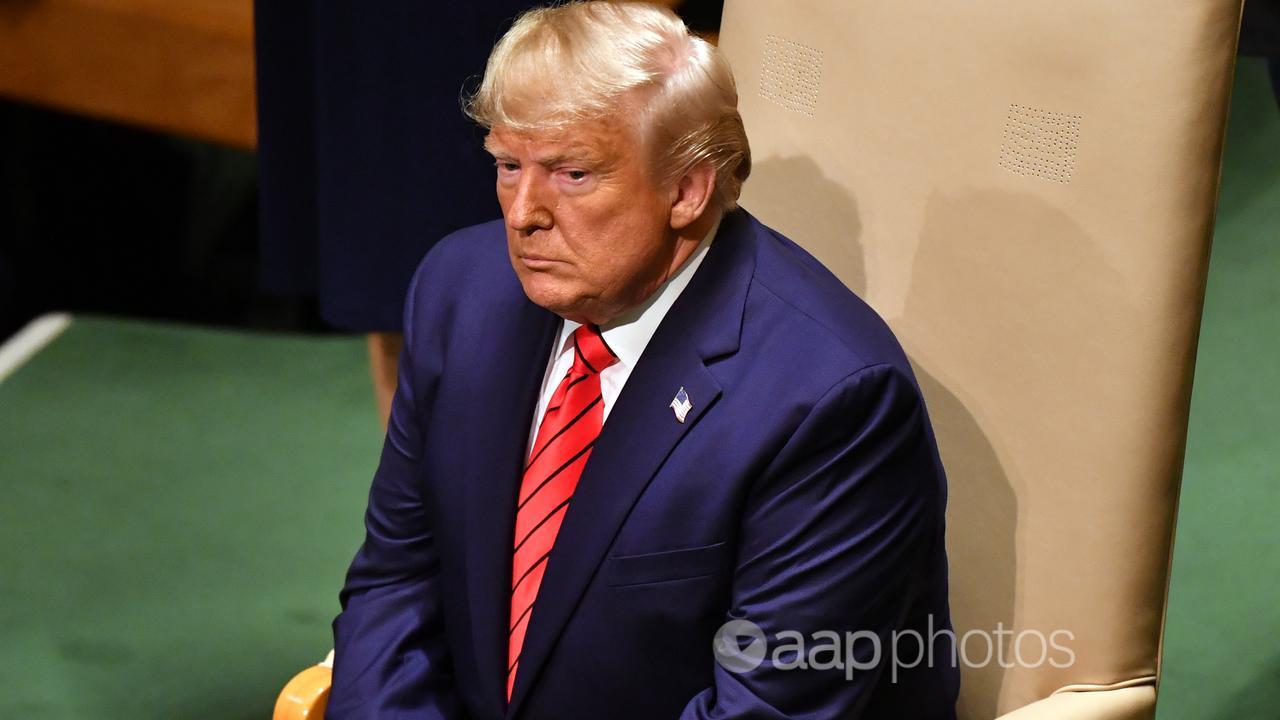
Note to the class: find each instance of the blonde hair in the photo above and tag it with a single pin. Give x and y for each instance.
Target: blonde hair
(585, 61)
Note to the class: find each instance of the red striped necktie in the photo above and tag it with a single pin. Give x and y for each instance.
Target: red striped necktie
(569, 429)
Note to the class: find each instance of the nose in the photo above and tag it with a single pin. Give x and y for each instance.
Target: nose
(530, 210)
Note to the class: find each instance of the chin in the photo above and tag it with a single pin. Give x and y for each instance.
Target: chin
(550, 293)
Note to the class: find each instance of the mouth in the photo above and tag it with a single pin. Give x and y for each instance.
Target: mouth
(538, 262)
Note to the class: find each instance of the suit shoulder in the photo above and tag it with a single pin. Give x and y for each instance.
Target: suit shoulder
(462, 263)
(822, 313)
(478, 248)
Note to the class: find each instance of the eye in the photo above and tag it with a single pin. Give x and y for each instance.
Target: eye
(506, 167)
(575, 176)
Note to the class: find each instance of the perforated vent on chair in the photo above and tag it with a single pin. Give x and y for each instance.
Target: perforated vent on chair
(790, 75)
(1040, 143)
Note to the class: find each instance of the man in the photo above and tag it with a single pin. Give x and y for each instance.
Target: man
(629, 413)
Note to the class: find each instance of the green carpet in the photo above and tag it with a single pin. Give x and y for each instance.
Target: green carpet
(1222, 642)
(179, 507)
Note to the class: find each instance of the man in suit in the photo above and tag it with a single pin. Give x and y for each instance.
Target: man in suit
(628, 414)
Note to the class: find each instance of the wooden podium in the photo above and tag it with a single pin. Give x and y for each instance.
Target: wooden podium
(180, 66)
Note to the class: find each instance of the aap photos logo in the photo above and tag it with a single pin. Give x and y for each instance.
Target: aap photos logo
(739, 646)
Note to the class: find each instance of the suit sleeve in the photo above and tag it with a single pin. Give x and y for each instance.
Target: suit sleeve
(835, 538)
(391, 657)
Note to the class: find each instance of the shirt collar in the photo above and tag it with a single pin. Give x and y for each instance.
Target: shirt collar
(629, 334)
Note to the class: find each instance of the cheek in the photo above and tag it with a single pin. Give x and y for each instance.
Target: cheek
(603, 244)
(612, 240)
(628, 251)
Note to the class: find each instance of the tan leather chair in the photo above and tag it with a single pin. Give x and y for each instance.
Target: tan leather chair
(1025, 191)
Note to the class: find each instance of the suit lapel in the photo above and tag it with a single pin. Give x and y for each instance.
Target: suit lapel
(491, 453)
(704, 323)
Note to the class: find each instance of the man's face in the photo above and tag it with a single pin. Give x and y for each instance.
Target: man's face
(588, 230)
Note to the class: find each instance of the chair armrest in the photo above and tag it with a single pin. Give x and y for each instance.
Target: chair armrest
(1126, 703)
(307, 694)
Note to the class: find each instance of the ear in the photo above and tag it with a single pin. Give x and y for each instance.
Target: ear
(692, 194)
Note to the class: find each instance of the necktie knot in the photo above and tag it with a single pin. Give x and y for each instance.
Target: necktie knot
(590, 353)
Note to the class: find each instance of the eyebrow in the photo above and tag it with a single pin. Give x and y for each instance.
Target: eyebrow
(492, 147)
(576, 153)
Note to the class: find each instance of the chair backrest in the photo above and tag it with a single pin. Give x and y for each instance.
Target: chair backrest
(1025, 191)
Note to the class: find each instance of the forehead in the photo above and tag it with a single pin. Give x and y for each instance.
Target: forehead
(603, 139)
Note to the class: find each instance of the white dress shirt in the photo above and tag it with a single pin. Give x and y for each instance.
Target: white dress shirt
(626, 335)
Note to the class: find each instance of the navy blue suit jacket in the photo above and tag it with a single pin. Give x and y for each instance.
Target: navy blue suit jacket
(803, 492)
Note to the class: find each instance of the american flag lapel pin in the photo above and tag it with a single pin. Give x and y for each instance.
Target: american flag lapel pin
(681, 405)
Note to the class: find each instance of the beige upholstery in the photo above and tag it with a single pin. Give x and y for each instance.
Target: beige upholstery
(1025, 191)
(1128, 703)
